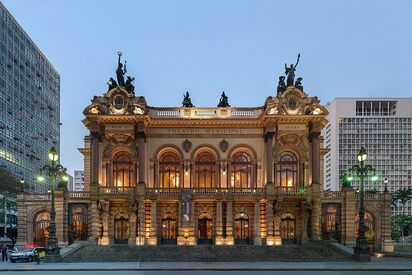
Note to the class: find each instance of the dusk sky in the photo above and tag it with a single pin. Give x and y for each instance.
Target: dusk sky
(348, 49)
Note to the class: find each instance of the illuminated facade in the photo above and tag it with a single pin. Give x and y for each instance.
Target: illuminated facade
(213, 175)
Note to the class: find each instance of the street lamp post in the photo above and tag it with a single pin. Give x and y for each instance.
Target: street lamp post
(361, 171)
(55, 170)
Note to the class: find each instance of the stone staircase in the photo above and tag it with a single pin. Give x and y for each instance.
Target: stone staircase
(311, 251)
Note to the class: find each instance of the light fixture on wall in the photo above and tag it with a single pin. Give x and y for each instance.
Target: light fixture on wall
(186, 167)
(224, 167)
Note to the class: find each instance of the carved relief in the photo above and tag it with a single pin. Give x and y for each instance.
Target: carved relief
(187, 145)
(223, 145)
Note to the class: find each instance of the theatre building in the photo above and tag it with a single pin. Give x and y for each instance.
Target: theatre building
(204, 175)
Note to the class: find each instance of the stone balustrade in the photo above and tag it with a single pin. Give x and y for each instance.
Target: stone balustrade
(371, 196)
(79, 194)
(209, 112)
(117, 190)
(330, 194)
(291, 191)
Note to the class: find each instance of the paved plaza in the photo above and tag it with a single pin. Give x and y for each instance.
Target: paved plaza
(386, 265)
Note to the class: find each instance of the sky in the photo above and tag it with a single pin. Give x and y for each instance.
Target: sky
(348, 49)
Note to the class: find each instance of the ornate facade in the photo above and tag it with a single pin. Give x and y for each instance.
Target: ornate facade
(192, 176)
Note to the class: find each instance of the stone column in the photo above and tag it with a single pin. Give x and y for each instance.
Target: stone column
(269, 157)
(315, 152)
(61, 217)
(133, 225)
(316, 212)
(387, 244)
(95, 158)
(270, 240)
(257, 238)
(140, 223)
(348, 216)
(153, 224)
(94, 214)
(219, 225)
(142, 158)
(229, 223)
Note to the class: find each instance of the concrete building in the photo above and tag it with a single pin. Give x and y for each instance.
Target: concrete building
(384, 127)
(205, 175)
(70, 185)
(78, 183)
(29, 103)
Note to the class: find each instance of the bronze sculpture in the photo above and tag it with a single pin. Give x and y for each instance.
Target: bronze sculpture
(111, 83)
(224, 100)
(129, 86)
(120, 72)
(298, 83)
(187, 102)
(290, 72)
(281, 85)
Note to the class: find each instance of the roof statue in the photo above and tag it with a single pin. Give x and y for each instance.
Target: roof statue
(281, 85)
(120, 72)
(129, 86)
(111, 83)
(224, 100)
(187, 102)
(290, 72)
(298, 83)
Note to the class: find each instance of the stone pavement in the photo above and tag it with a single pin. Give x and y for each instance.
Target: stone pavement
(377, 264)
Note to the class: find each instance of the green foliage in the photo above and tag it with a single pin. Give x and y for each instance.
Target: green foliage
(62, 184)
(9, 182)
(400, 223)
(403, 196)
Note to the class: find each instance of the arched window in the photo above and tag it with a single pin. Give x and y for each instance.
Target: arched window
(123, 170)
(169, 170)
(205, 170)
(40, 224)
(241, 171)
(287, 170)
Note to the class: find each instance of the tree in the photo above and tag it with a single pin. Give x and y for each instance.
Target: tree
(9, 182)
(403, 196)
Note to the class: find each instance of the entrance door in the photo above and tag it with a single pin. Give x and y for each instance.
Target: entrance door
(242, 228)
(169, 228)
(121, 229)
(288, 229)
(204, 228)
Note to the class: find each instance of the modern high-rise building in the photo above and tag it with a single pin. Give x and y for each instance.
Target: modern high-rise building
(29, 103)
(384, 127)
(78, 182)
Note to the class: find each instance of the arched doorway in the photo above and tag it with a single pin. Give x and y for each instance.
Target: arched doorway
(205, 229)
(169, 228)
(121, 228)
(288, 229)
(78, 226)
(370, 232)
(242, 228)
(40, 228)
(330, 222)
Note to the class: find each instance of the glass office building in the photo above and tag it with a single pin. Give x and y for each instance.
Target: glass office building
(29, 103)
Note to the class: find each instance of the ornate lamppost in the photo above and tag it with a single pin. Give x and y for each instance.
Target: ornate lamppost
(361, 171)
(55, 170)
